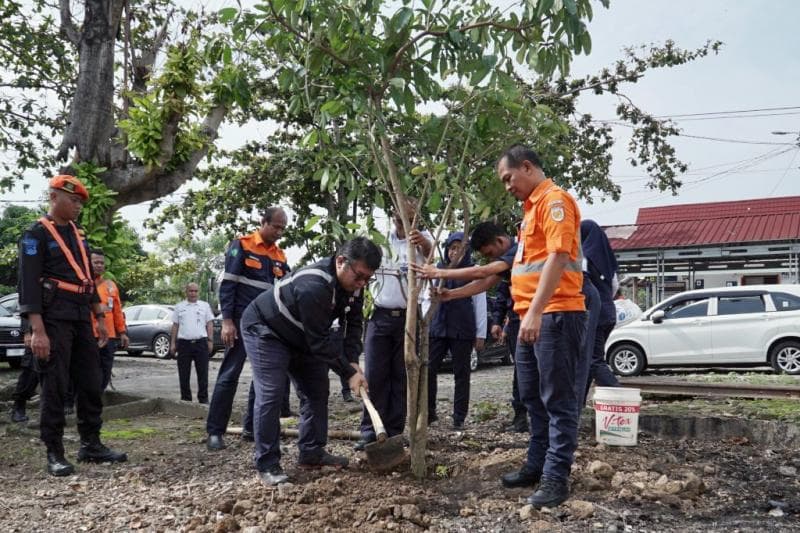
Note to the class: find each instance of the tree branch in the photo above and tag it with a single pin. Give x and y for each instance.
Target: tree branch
(294, 31)
(67, 26)
(398, 56)
(135, 184)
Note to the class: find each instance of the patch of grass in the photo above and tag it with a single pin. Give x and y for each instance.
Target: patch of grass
(786, 410)
(751, 378)
(129, 434)
(485, 410)
(441, 471)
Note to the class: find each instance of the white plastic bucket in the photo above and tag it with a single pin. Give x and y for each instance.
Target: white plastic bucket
(616, 411)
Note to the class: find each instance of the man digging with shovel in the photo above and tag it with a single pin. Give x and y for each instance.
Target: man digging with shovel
(286, 329)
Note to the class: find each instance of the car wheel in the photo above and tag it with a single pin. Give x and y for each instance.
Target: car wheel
(626, 360)
(473, 360)
(785, 358)
(161, 346)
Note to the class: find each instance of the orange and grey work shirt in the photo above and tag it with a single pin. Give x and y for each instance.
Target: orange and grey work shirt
(112, 307)
(551, 224)
(251, 267)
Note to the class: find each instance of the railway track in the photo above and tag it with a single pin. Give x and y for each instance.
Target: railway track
(715, 390)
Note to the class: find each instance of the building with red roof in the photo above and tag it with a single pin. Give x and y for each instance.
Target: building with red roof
(750, 241)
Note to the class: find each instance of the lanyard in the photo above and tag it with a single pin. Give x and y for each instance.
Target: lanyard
(82, 274)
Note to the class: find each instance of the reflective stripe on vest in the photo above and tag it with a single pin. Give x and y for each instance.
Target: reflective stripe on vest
(538, 266)
(282, 309)
(246, 281)
(83, 275)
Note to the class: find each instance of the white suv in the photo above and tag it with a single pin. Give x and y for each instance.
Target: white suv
(748, 326)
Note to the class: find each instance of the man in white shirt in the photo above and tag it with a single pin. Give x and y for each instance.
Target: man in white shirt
(384, 365)
(627, 310)
(192, 339)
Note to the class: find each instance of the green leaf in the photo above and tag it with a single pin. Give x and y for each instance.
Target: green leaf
(333, 108)
(312, 222)
(401, 19)
(310, 139)
(227, 14)
(418, 170)
(435, 202)
(587, 42)
(323, 182)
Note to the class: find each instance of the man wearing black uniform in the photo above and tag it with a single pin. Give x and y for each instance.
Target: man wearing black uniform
(57, 296)
(287, 329)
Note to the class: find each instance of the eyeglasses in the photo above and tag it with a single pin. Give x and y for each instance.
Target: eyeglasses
(360, 276)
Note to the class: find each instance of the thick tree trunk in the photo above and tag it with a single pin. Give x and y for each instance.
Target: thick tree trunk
(91, 118)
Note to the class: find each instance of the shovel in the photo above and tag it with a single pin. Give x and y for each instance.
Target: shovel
(386, 452)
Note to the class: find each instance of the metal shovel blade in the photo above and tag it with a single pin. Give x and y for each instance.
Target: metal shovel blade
(386, 455)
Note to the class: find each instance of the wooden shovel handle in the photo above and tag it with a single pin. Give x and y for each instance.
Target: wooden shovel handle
(377, 423)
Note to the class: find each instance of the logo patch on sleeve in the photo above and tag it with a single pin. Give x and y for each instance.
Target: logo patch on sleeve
(557, 213)
(30, 245)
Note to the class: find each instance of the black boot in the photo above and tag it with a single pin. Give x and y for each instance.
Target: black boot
(94, 451)
(524, 477)
(519, 424)
(18, 413)
(57, 465)
(550, 493)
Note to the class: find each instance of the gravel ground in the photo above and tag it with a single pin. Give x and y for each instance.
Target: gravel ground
(171, 483)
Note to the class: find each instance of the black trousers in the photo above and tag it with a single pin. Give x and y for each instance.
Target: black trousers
(460, 350)
(385, 370)
(26, 382)
(73, 358)
(193, 351)
(107, 360)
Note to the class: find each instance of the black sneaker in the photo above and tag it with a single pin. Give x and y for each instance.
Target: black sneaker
(550, 493)
(325, 459)
(94, 451)
(273, 475)
(458, 425)
(524, 477)
(58, 466)
(433, 421)
(248, 435)
(347, 396)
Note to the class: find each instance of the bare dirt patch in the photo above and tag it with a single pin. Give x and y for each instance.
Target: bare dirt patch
(171, 483)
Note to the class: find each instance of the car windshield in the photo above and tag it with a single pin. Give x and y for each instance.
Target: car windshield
(4, 311)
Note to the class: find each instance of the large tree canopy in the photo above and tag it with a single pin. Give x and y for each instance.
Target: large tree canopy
(138, 88)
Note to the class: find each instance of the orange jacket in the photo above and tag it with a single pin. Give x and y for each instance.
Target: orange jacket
(551, 224)
(108, 293)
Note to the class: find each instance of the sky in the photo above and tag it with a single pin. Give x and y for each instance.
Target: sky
(758, 67)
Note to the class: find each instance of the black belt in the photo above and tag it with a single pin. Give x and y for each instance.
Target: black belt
(391, 312)
(194, 341)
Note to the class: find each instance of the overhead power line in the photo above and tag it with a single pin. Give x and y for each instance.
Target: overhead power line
(732, 112)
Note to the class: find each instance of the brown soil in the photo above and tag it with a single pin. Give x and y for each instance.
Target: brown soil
(171, 483)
